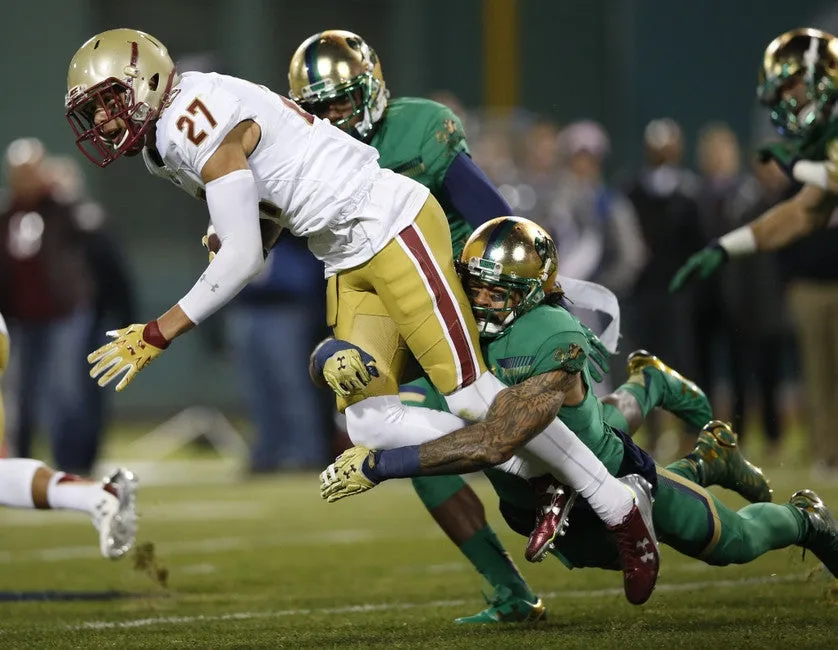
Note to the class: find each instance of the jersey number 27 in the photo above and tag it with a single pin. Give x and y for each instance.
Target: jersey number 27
(187, 124)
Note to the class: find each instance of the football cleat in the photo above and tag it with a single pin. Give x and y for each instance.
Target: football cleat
(822, 536)
(681, 397)
(506, 608)
(720, 462)
(114, 516)
(637, 544)
(551, 519)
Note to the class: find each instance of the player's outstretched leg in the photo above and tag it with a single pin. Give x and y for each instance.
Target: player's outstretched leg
(27, 483)
(821, 535)
(656, 384)
(718, 460)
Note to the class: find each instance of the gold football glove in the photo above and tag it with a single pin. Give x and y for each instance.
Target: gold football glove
(128, 353)
(346, 477)
(345, 367)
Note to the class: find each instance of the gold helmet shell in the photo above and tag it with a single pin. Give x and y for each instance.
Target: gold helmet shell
(336, 65)
(807, 54)
(515, 254)
(128, 74)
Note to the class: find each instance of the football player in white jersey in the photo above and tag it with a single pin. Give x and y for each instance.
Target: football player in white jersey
(384, 240)
(29, 483)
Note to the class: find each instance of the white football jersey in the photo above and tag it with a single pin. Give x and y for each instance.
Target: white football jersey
(313, 179)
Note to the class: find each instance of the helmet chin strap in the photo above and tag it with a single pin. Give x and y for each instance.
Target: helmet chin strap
(364, 127)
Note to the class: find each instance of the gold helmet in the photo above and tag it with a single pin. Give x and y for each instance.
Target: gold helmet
(515, 255)
(336, 66)
(808, 56)
(128, 75)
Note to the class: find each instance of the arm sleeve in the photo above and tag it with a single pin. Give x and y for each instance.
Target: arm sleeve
(233, 203)
(471, 194)
(443, 140)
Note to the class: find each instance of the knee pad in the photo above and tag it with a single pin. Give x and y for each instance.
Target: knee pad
(369, 421)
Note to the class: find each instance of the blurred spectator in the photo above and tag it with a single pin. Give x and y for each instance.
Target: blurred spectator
(114, 299)
(46, 293)
(719, 165)
(595, 226)
(664, 196)
(538, 172)
(274, 325)
(810, 268)
(492, 152)
(754, 292)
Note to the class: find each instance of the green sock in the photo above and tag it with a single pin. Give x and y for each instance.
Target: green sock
(688, 468)
(756, 529)
(485, 551)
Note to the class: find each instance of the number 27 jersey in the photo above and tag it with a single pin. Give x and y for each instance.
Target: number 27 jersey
(327, 186)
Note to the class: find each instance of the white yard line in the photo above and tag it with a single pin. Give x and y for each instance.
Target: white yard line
(384, 607)
(213, 545)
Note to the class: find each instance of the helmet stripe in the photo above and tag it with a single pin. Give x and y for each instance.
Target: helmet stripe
(311, 60)
(498, 235)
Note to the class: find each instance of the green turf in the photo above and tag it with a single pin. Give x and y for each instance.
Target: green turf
(267, 564)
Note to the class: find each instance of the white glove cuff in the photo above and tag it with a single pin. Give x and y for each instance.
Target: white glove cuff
(810, 172)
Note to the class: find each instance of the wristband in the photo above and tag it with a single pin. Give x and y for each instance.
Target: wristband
(739, 242)
(153, 336)
(401, 462)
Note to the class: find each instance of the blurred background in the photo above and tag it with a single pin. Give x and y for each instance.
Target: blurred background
(624, 126)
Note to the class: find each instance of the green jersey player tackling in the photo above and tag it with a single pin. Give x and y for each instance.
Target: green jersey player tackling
(798, 81)
(336, 75)
(533, 345)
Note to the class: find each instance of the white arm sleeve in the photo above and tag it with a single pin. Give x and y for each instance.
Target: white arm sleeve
(233, 203)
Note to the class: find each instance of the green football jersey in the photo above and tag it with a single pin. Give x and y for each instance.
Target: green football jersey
(420, 138)
(542, 340)
(547, 339)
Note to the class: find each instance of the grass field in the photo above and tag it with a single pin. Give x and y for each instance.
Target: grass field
(266, 564)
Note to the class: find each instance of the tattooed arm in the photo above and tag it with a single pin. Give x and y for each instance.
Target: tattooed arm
(793, 219)
(517, 415)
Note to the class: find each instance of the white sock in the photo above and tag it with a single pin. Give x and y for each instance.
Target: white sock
(16, 475)
(66, 492)
(567, 457)
(571, 462)
(385, 423)
(473, 401)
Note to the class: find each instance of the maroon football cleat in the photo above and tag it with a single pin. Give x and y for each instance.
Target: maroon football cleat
(637, 544)
(554, 504)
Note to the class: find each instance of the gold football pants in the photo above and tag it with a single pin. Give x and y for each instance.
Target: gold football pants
(409, 299)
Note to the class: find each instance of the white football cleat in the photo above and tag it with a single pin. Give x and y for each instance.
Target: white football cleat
(114, 516)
